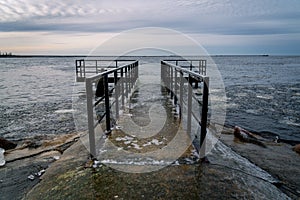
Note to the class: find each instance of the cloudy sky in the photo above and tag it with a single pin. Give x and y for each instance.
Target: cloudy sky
(220, 26)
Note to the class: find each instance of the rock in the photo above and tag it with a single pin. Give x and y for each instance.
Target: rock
(297, 148)
(246, 136)
(5, 144)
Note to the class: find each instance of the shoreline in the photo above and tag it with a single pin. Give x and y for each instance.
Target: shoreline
(278, 159)
(274, 161)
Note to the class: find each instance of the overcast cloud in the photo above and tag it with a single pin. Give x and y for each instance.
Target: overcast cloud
(265, 26)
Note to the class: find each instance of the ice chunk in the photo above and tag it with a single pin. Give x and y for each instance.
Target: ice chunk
(31, 177)
(126, 138)
(156, 142)
(97, 162)
(40, 173)
(147, 144)
(2, 160)
(127, 142)
(136, 146)
(56, 157)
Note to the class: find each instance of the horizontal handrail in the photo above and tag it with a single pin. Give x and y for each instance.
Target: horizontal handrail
(95, 66)
(97, 76)
(200, 64)
(179, 68)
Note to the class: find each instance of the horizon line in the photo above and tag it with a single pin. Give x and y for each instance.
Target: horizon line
(82, 55)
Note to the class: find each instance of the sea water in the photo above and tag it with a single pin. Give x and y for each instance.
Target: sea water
(263, 94)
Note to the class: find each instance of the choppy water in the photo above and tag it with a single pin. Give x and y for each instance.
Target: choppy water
(263, 94)
(32, 91)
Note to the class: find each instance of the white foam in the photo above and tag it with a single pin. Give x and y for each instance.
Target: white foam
(252, 111)
(148, 161)
(65, 111)
(268, 97)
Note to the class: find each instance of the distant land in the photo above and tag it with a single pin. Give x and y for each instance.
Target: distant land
(5, 54)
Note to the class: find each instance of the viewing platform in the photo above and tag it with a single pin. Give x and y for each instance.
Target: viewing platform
(112, 88)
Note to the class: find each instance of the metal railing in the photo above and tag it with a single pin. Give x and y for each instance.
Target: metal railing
(88, 67)
(115, 85)
(178, 82)
(195, 65)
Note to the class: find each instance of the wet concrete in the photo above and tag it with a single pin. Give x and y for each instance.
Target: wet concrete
(73, 177)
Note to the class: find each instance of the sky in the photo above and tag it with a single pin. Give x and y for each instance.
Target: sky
(75, 27)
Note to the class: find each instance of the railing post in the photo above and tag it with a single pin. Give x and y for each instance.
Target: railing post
(80, 67)
(90, 113)
(175, 87)
(204, 116)
(200, 67)
(96, 67)
(107, 106)
(181, 92)
(137, 70)
(83, 64)
(189, 106)
(168, 78)
(122, 84)
(161, 72)
(129, 81)
(171, 83)
(126, 82)
(116, 93)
